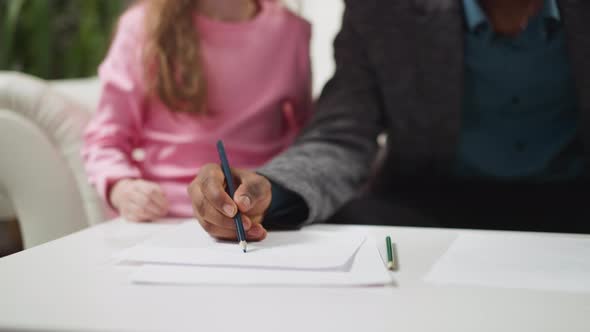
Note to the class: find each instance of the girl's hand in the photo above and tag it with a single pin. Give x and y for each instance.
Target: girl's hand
(139, 200)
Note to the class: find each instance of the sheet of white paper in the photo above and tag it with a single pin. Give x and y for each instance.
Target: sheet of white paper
(128, 233)
(188, 244)
(542, 262)
(367, 270)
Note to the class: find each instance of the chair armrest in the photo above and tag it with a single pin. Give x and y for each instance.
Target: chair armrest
(41, 168)
(85, 91)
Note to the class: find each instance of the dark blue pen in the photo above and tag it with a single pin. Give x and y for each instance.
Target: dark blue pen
(231, 190)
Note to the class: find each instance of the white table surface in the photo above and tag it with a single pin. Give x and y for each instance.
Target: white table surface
(72, 284)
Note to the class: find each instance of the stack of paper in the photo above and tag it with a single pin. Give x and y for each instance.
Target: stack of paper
(187, 255)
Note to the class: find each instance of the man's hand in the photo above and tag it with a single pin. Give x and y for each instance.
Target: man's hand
(139, 200)
(214, 209)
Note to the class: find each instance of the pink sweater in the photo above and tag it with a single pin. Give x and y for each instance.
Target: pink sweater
(252, 68)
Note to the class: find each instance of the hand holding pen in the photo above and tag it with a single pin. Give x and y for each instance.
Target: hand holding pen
(215, 209)
(231, 191)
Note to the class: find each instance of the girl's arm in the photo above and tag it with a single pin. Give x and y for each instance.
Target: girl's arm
(114, 130)
(109, 141)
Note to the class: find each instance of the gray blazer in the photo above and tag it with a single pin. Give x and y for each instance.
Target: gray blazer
(399, 70)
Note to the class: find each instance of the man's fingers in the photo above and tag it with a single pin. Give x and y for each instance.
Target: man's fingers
(256, 233)
(254, 192)
(218, 232)
(215, 209)
(207, 213)
(214, 192)
(257, 219)
(223, 234)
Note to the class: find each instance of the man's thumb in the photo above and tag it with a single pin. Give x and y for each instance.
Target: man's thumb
(252, 193)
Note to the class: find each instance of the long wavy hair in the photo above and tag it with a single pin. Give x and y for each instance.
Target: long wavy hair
(172, 64)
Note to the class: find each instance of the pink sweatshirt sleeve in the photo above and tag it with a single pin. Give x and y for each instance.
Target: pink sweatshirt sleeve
(114, 130)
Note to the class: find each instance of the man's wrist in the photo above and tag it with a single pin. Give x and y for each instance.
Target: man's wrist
(287, 209)
(279, 198)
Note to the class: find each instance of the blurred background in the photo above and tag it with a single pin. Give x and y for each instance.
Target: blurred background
(49, 54)
(56, 39)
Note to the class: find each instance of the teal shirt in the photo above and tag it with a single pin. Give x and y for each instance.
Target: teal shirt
(520, 114)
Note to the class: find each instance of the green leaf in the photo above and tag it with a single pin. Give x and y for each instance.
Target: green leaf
(12, 14)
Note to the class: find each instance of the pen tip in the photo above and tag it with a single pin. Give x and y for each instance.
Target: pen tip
(244, 245)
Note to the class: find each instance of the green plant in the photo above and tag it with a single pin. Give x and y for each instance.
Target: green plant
(56, 39)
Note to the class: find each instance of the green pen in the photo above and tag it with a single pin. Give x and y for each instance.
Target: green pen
(391, 256)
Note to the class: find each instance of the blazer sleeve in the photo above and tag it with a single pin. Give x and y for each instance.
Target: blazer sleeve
(331, 160)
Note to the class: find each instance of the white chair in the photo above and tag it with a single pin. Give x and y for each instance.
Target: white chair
(40, 169)
(41, 124)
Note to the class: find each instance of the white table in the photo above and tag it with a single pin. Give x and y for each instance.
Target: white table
(72, 284)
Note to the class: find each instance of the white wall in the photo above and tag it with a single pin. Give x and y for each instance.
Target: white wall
(6, 210)
(326, 18)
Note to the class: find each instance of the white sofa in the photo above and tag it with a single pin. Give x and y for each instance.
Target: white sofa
(41, 175)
